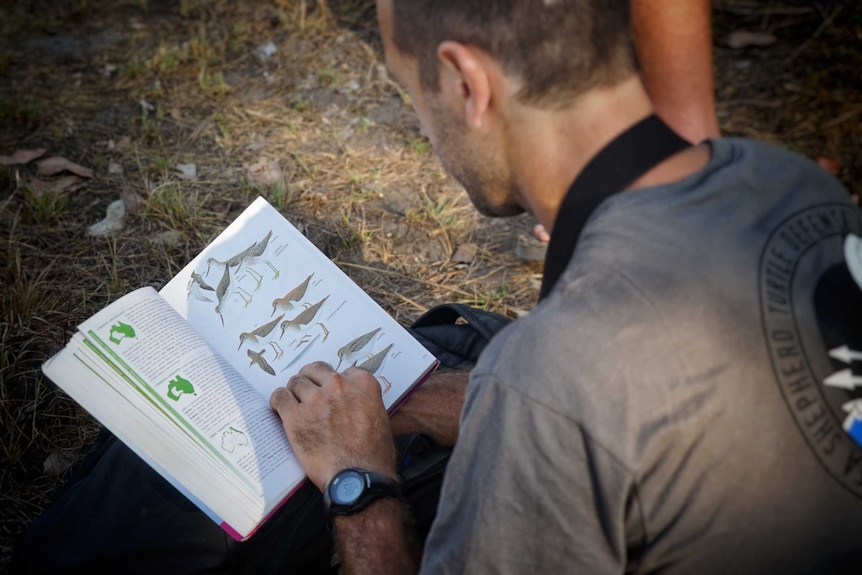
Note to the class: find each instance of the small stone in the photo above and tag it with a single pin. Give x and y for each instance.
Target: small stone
(743, 38)
(529, 248)
(187, 171)
(113, 223)
(465, 254)
(58, 462)
(265, 52)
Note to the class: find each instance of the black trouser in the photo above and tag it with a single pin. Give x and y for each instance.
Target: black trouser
(118, 515)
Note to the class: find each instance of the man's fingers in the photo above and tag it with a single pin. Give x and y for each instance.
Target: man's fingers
(320, 378)
(301, 385)
(282, 399)
(292, 394)
(317, 371)
(362, 377)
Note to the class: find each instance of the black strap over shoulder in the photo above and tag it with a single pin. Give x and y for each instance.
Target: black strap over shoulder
(626, 158)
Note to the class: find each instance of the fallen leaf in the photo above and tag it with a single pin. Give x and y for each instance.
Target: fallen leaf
(187, 171)
(114, 220)
(176, 114)
(465, 254)
(115, 168)
(743, 38)
(21, 157)
(56, 164)
(265, 172)
(829, 164)
(58, 186)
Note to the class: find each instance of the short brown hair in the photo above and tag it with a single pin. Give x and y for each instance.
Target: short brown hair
(559, 48)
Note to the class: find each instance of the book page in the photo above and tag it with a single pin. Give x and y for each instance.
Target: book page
(270, 302)
(104, 394)
(165, 362)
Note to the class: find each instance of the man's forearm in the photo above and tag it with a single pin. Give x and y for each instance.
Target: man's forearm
(434, 408)
(673, 39)
(379, 540)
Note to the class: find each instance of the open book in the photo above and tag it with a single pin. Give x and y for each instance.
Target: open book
(183, 376)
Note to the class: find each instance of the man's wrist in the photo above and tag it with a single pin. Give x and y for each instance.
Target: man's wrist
(353, 489)
(373, 512)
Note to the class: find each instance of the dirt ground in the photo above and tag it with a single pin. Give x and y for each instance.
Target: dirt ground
(189, 109)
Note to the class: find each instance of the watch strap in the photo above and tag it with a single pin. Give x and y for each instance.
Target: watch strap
(375, 486)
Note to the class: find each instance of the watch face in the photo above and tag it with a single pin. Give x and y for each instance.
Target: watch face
(346, 488)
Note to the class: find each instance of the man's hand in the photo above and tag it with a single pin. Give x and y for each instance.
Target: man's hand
(335, 420)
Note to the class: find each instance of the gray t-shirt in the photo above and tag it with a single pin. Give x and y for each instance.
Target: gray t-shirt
(664, 409)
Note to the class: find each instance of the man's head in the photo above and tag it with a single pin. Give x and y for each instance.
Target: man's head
(558, 48)
(472, 67)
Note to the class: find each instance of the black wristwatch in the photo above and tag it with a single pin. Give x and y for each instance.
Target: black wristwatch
(353, 489)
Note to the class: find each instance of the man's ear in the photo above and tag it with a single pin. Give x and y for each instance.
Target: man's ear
(464, 77)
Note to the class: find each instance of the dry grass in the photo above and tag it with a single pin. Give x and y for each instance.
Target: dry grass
(805, 91)
(133, 88)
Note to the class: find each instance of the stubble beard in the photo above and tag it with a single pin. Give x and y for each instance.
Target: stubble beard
(483, 175)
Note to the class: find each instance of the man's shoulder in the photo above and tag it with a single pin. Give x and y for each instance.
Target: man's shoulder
(771, 164)
(591, 317)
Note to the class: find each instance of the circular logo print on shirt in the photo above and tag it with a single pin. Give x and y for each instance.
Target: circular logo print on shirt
(806, 280)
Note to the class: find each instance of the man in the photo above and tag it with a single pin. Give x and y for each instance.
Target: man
(678, 401)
